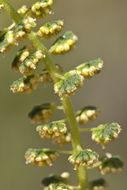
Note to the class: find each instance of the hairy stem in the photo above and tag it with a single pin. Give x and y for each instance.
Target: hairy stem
(74, 129)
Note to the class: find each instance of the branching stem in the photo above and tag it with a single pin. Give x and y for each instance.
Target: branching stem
(50, 66)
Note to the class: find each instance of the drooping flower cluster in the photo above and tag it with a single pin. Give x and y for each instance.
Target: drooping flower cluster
(99, 184)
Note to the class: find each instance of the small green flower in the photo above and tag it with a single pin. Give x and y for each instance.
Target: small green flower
(25, 84)
(67, 86)
(64, 43)
(28, 66)
(105, 133)
(86, 114)
(50, 29)
(63, 139)
(52, 130)
(41, 157)
(42, 113)
(89, 69)
(21, 55)
(55, 186)
(6, 39)
(53, 179)
(41, 8)
(99, 184)
(110, 165)
(84, 158)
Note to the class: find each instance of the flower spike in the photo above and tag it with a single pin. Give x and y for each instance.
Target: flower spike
(84, 158)
(64, 43)
(105, 133)
(90, 68)
(50, 29)
(52, 130)
(41, 157)
(67, 86)
(25, 84)
(86, 114)
(42, 113)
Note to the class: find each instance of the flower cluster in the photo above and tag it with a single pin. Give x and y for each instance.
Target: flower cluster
(25, 84)
(86, 114)
(50, 29)
(64, 43)
(55, 186)
(22, 10)
(6, 39)
(84, 158)
(90, 68)
(21, 55)
(63, 139)
(28, 66)
(98, 184)
(41, 8)
(110, 165)
(41, 157)
(67, 86)
(105, 133)
(52, 130)
(42, 113)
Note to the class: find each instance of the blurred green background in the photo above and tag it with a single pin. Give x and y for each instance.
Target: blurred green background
(102, 30)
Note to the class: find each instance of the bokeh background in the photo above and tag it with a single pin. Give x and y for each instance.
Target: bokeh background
(102, 30)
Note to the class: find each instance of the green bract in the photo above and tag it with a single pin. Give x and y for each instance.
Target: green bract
(6, 39)
(25, 84)
(41, 8)
(67, 86)
(41, 157)
(105, 133)
(64, 43)
(90, 68)
(98, 184)
(21, 55)
(42, 113)
(28, 66)
(50, 29)
(87, 113)
(84, 158)
(52, 130)
(63, 139)
(55, 186)
(110, 165)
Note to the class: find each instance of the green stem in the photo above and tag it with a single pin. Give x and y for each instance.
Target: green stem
(75, 134)
(64, 151)
(85, 130)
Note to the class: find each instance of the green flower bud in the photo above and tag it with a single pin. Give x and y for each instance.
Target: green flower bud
(6, 39)
(52, 130)
(21, 55)
(55, 186)
(42, 113)
(105, 133)
(50, 29)
(84, 158)
(67, 86)
(41, 157)
(86, 114)
(64, 43)
(53, 179)
(110, 165)
(28, 66)
(89, 69)
(22, 10)
(63, 139)
(41, 8)
(25, 84)
(98, 184)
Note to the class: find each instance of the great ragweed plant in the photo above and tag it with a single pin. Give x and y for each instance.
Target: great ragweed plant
(65, 130)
